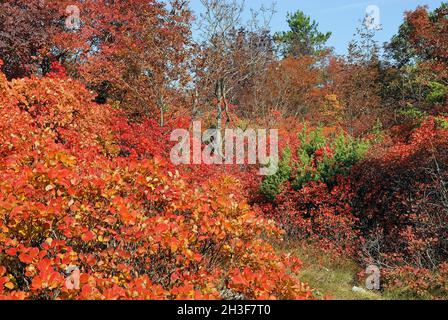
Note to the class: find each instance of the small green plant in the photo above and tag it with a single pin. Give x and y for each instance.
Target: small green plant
(442, 122)
(412, 113)
(438, 93)
(322, 158)
(271, 185)
(378, 131)
(312, 141)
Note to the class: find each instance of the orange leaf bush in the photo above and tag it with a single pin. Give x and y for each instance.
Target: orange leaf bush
(75, 193)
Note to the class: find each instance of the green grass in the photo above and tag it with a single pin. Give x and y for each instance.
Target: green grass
(334, 277)
(330, 276)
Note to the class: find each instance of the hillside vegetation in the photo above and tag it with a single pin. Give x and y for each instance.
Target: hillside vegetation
(90, 96)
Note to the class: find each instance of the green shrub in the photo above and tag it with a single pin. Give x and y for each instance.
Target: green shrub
(438, 93)
(442, 122)
(320, 158)
(271, 185)
(412, 113)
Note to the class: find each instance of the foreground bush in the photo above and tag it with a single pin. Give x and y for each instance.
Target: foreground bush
(76, 190)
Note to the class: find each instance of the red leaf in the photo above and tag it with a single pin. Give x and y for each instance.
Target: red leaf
(11, 251)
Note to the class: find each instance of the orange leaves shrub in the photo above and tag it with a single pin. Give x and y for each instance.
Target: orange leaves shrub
(76, 191)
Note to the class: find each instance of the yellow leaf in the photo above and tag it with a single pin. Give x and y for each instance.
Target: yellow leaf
(9, 285)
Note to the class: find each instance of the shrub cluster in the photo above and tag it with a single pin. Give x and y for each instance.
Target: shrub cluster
(79, 189)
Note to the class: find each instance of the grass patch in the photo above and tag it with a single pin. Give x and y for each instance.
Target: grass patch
(330, 276)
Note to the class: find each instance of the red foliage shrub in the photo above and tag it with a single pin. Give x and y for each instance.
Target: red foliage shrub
(401, 202)
(76, 191)
(422, 283)
(317, 213)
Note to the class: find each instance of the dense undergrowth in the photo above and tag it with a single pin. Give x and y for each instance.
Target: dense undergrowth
(87, 184)
(70, 197)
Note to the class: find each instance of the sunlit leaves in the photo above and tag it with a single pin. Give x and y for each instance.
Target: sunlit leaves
(71, 197)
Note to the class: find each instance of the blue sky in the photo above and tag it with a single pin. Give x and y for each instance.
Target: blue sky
(339, 16)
